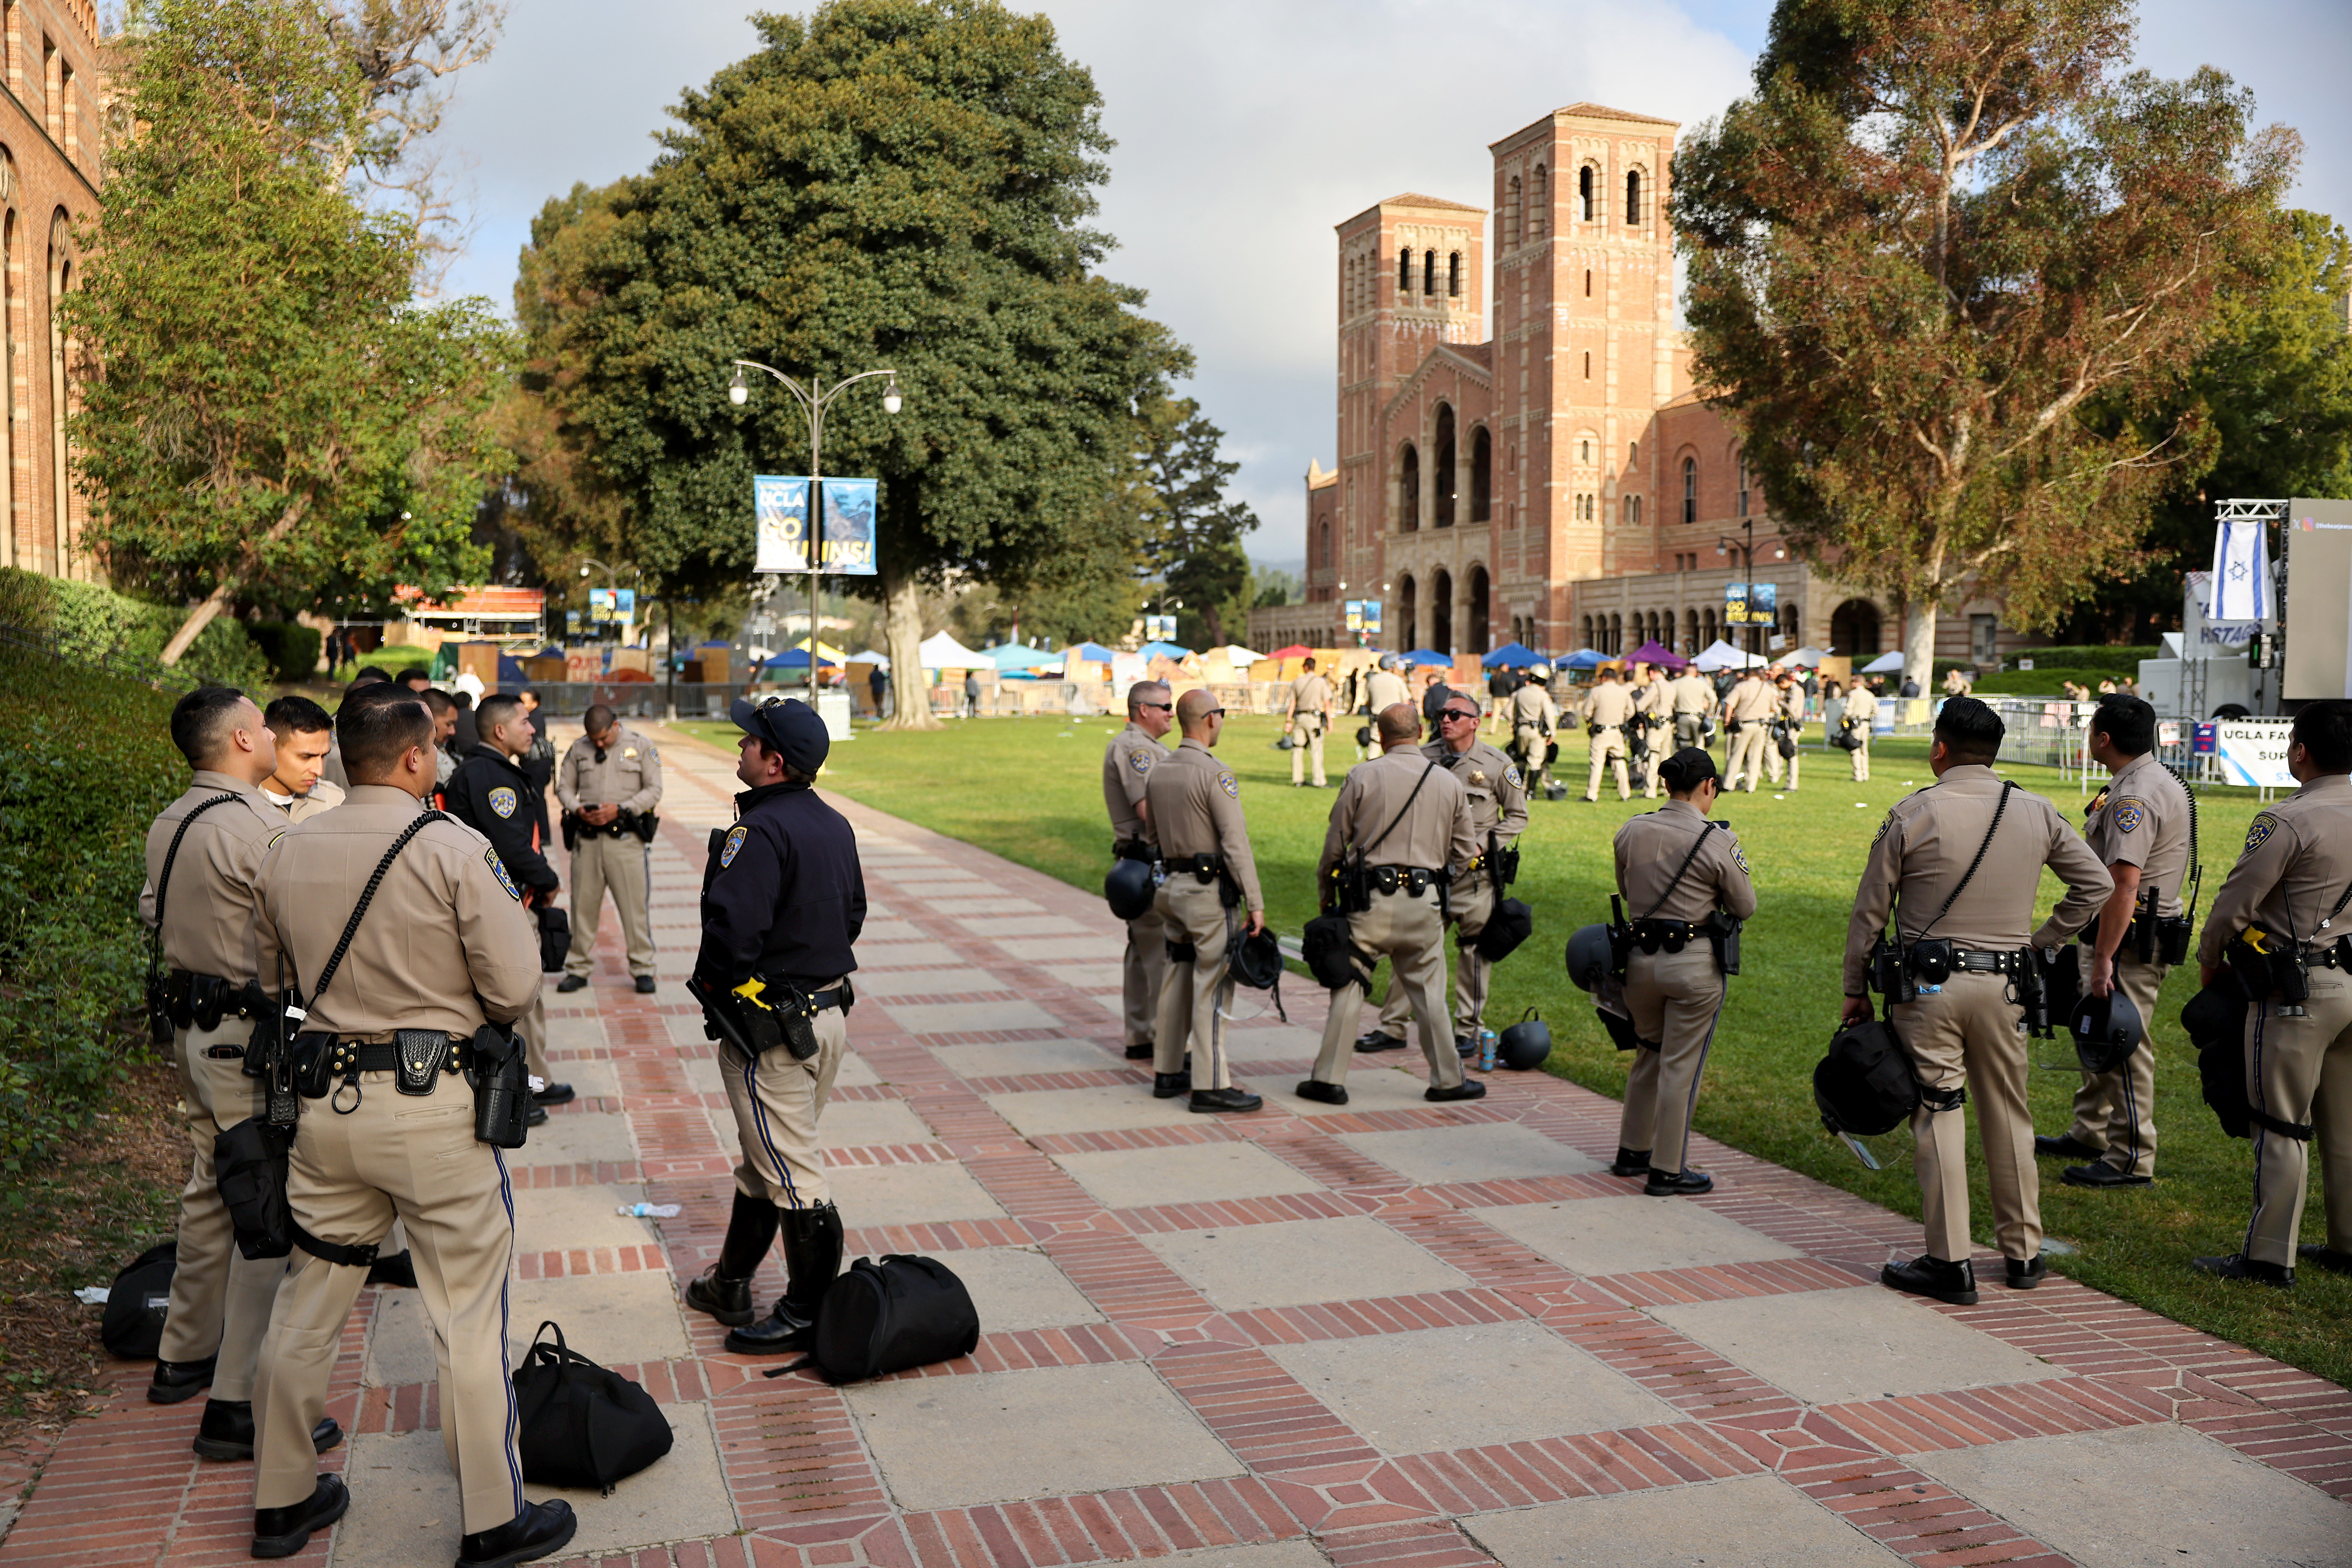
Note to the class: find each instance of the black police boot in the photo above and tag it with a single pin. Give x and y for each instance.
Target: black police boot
(283, 1532)
(644, 984)
(1212, 1100)
(2327, 1257)
(572, 983)
(398, 1270)
(811, 1238)
(227, 1431)
(2238, 1266)
(1143, 1053)
(2024, 1273)
(540, 1530)
(1324, 1093)
(1464, 1046)
(1168, 1085)
(1372, 1040)
(2102, 1176)
(1631, 1162)
(178, 1380)
(1468, 1088)
(2064, 1147)
(534, 1115)
(1925, 1276)
(1687, 1183)
(554, 1094)
(724, 1290)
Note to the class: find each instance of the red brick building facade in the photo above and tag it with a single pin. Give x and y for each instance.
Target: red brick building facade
(52, 117)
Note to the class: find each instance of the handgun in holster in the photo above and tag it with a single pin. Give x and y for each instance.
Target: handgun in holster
(1620, 937)
(1890, 971)
(2033, 995)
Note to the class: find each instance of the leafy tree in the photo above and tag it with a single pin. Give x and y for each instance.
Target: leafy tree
(1197, 542)
(897, 183)
(1947, 267)
(264, 410)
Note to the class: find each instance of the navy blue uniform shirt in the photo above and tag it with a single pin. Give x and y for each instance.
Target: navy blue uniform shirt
(490, 794)
(782, 894)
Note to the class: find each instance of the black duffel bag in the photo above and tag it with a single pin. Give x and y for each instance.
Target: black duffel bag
(132, 1324)
(579, 1424)
(1511, 923)
(1865, 1084)
(886, 1315)
(554, 938)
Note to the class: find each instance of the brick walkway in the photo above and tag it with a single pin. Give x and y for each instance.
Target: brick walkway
(1397, 1335)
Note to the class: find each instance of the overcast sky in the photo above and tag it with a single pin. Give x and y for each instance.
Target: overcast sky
(1246, 129)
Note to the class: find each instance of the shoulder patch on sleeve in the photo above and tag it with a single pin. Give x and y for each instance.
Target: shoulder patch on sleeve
(1883, 826)
(1740, 859)
(2259, 831)
(1511, 776)
(1225, 782)
(503, 799)
(2127, 815)
(499, 870)
(1139, 759)
(734, 844)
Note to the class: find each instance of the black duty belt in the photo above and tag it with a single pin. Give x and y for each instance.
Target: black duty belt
(1414, 881)
(1134, 849)
(840, 996)
(1984, 961)
(1671, 935)
(201, 1001)
(359, 1055)
(1207, 868)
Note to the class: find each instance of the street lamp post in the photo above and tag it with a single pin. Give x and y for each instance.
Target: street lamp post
(815, 397)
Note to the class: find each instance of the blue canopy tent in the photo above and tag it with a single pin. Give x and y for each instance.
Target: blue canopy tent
(794, 659)
(1426, 656)
(1089, 652)
(1582, 659)
(1511, 656)
(1165, 650)
(1013, 659)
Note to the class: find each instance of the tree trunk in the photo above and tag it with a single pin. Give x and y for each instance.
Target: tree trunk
(1919, 641)
(902, 620)
(213, 603)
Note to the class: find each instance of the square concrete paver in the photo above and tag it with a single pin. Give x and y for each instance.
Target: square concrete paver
(547, 1220)
(1883, 1346)
(1433, 1156)
(1184, 1172)
(608, 1318)
(1089, 976)
(855, 1123)
(1035, 1113)
(1067, 949)
(1368, 1088)
(1017, 1057)
(405, 1500)
(1292, 1262)
(1624, 1236)
(908, 1194)
(969, 1017)
(1014, 1288)
(2150, 1494)
(1753, 1522)
(988, 923)
(885, 983)
(1280, 1042)
(575, 1138)
(898, 930)
(1048, 1433)
(1459, 1388)
(574, 1034)
(909, 949)
(590, 1078)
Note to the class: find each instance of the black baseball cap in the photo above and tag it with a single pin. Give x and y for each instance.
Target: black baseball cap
(789, 726)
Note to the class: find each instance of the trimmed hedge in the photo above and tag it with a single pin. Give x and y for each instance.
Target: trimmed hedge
(91, 621)
(291, 648)
(2075, 661)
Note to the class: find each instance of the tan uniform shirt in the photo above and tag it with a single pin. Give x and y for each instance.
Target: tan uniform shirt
(2141, 819)
(324, 796)
(1610, 705)
(1196, 809)
(1651, 849)
(1127, 762)
(1650, 697)
(1792, 702)
(1309, 694)
(209, 905)
(1923, 848)
(1752, 701)
(1434, 832)
(1691, 694)
(1386, 690)
(629, 777)
(443, 940)
(1530, 704)
(2296, 863)
(1498, 793)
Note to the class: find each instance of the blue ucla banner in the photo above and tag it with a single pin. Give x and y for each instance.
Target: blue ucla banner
(779, 509)
(849, 507)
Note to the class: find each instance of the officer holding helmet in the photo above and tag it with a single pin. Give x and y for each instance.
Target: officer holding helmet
(1532, 717)
(1128, 763)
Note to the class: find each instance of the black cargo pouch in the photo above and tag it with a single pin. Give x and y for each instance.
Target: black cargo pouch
(420, 1058)
(314, 1071)
(1931, 960)
(501, 1097)
(249, 1166)
(796, 1023)
(1183, 952)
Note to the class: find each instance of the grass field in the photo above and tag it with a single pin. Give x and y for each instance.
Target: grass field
(1029, 789)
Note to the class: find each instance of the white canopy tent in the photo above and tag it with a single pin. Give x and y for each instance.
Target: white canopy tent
(942, 651)
(1240, 656)
(1884, 664)
(871, 657)
(1810, 658)
(1721, 655)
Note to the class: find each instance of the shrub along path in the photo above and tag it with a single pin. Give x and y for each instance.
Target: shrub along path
(1395, 1333)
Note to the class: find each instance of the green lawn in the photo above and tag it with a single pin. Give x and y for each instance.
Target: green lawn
(1030, 790)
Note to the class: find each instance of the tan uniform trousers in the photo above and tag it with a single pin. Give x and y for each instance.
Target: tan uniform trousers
(414, 1157)
(531, 1027)
(1469, 905)
(1144, 972)
(2300, 1070)
(1690, 729)
(1675, 999)
(220, 1299)
(1530, 740)
(1967, 1035)
(1195, 997)
(1747, 749)
(1608, 750)
(601, 863)
(1861, 755)
(2114, 1113)
(1307, 743)
(777, 1101)
(1411, 931)
(1775, 763)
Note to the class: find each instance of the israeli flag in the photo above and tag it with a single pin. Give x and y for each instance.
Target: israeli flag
(2242, 573)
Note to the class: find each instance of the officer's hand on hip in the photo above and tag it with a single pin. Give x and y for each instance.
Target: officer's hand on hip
(1857, 1011)
(1256, 921)
(2103, 975)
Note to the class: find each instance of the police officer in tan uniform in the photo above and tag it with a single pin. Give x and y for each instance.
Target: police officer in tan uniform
(204, 855)
(2296, 869)
(443, 948)
(1128, 763)
(1788, 719)
(1498, 814)
(1606, 714)
(2139, 827)
(1964, 1033)
(1532, 720)
(1195, 808)
(1653, 722)
(1683, 880)
(304, 732)
(1385, 687)
(609, 783)
(1309, 720)
(1411, 844)
(1690, 698)
(1748, 714)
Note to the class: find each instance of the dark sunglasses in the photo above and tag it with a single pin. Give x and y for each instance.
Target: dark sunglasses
(1455, 713)
(1164, 707)
(1214, 713)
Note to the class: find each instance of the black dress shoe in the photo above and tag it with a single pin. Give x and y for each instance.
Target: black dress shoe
(535, 1115)
(644, 984)
(1468, 1088)
(1321, 1092)
(178, 1380)
(1211, 1101)
(2066, 1148)
(399, 1271)
(2099, 1174)
(1168, 1085)
(1683, 1183)
(1631, 1162)
(572, 983)
(2024, 1273)
(1375, 1040)
(1464, 1046)
(554, 1094)
(728, 1301)
(2238, 1266)
(540, 1530)
(283, 1532)
(1143, 1053)
(1925, 1276)
(227, 1431)
(2325, 1257)
(781, 1333)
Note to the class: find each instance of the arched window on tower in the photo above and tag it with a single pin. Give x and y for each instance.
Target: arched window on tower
(1454, 275)
(1482, 475)
(1323, 545)
(1404, 270)
(1429, 272)
(1587, 282)
(1633, 510)
(1539, 203)
(1634, 196)
(1690, 489)
(1408, 492)
(1440, 611)
(1442, 470)
(1512, 232)
(1585, 180)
